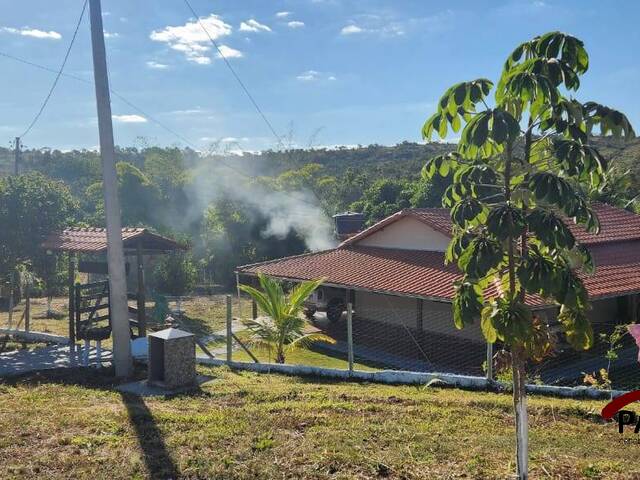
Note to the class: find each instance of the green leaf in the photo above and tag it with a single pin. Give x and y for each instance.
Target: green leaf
(467, 303)
(486, 325)
(577, 327)
(482, 255)
(466, 211)
(550, 229)
(505, 221)
(610, 121)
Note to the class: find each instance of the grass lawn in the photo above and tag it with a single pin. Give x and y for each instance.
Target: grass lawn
(303, 357)
(249, 426)
(204, 315)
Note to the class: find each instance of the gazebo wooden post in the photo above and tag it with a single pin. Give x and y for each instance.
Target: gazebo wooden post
(71, 282)
(142, 319)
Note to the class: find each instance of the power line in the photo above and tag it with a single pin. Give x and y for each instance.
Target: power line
(113, 92)
(59, 73)
(236, 76)
(146, 115)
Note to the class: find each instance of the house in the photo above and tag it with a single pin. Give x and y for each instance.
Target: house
(395, 275)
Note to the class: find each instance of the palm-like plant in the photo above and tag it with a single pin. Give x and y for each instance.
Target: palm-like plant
(282, 327)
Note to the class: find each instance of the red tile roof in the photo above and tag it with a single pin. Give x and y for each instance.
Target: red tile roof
(413, 273)
(94, 240)
(616, 224)
(617, 270)
(408, 272)
(421, 273)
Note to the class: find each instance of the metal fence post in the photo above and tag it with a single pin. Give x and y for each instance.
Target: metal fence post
(229, 331)
(11, 305)
(350, 336)
(27, 305)
(490, 361)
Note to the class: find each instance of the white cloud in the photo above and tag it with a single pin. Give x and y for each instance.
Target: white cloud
(283, 14)
(234, 139)
(156, 65)
(308, 76)
(351, 29)
(188, 111)
(229, 52)
(191, 39)
(295, 24)
(253, 26)
(314, 75)
(33, 32)
(111, 35)
(129, 119)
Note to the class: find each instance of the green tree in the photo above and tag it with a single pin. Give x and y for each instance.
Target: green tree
(282, 327)
(514, 186)
(387, 196)
(175, 274)
(139, 198)
(31, 207)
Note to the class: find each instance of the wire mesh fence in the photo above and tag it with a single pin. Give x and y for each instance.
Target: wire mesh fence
(382, 333)
(411, 335)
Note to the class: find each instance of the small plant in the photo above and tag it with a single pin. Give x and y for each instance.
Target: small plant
(599, 380)
(613, 340)
(282, 327)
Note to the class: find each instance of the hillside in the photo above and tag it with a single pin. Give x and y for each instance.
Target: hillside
(235, 210)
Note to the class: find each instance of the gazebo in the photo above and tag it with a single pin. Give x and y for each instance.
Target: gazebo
(81, 242)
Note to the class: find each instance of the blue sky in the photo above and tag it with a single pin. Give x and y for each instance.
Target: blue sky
(325, 72)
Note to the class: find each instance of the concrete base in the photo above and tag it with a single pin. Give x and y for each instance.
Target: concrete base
(19, 362)
(143, 388)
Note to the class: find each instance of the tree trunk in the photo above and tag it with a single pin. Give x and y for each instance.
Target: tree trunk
(520, 408)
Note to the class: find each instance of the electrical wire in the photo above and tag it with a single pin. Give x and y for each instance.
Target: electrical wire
(235, 75)
(151, 118)
(59, 73)
(113, 92)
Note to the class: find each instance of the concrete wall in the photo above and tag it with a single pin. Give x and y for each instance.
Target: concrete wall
(604, 311)
(387, 308)
(407, 234)
(436, 316)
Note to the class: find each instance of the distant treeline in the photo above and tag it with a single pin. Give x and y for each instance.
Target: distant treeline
(236, 209)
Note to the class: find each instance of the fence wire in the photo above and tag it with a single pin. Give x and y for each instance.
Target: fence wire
(394, 333)
(388, 333)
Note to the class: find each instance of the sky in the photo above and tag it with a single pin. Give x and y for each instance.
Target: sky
(324, 72)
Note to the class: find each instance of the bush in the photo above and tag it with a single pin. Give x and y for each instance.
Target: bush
(175, 275)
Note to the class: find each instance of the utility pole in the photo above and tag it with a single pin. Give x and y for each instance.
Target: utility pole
(16, 152)
(115, 252)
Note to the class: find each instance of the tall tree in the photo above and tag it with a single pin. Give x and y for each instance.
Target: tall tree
(31, 207)
(514, 188)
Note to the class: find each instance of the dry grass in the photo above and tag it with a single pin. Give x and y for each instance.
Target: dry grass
(249, 426)
(204, 314)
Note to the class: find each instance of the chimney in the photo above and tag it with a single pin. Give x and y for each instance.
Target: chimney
(347, 224)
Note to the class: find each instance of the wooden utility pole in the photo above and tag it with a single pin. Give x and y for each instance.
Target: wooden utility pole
(350, 336)
(115, 251)
(229, 331)
(140, 297)
(16, 162)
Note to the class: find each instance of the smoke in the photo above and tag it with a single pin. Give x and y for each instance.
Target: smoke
(286, 211)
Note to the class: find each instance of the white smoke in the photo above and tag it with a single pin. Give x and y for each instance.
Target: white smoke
(286, 211)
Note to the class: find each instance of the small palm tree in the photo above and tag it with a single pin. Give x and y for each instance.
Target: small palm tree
(282, 327)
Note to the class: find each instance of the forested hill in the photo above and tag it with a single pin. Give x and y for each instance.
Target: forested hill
(235, 209)
(404, 160)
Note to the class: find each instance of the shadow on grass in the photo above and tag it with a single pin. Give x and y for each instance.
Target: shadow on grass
(154, 450)
(198, 326)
